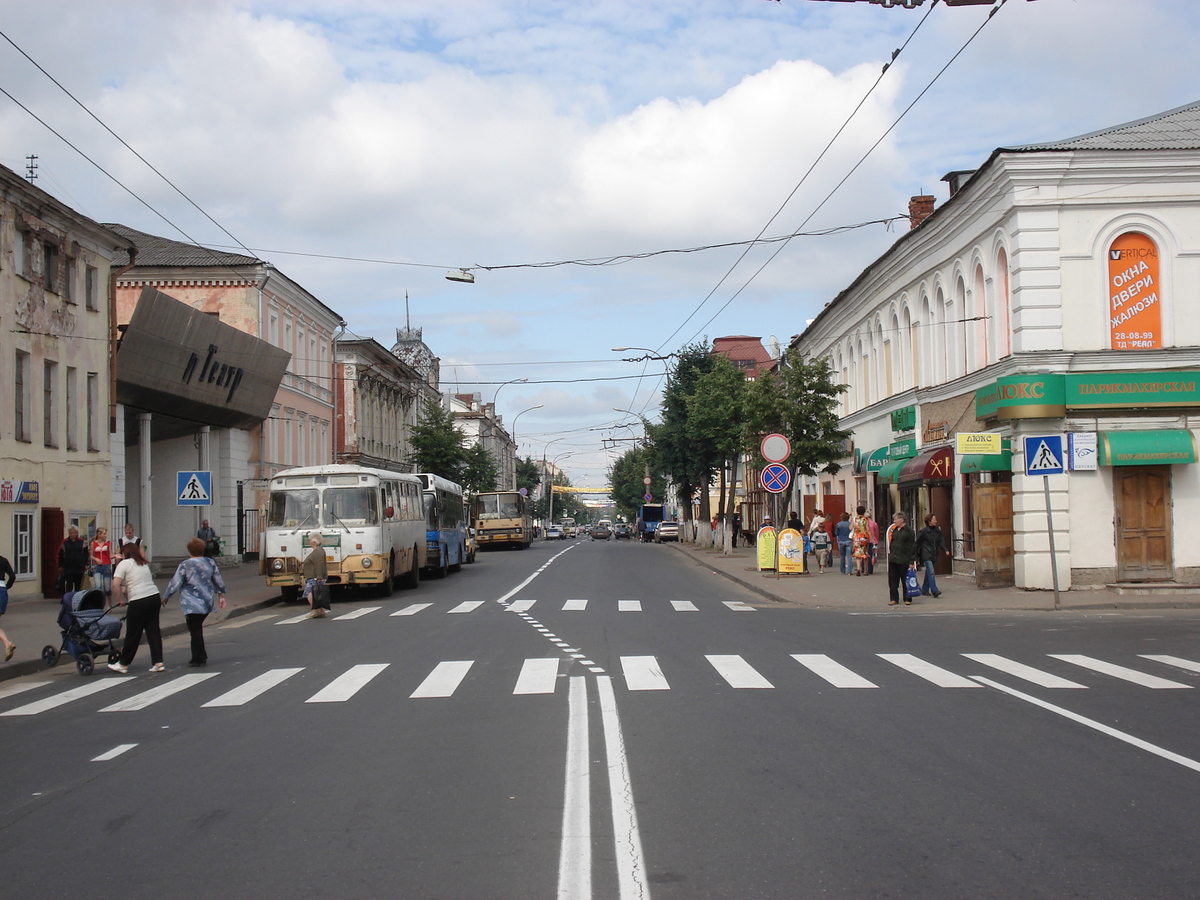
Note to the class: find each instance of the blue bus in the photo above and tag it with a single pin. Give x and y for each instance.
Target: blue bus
(445, 526)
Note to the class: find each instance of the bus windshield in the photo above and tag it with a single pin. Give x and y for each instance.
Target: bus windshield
(498, 506)
(351, 507)
(293, 509)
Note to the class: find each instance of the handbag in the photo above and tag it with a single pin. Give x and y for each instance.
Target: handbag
(911, 587)
(320, 596)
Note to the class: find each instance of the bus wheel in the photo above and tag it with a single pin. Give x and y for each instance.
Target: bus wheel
(290, 593)
(462, 554)
(389, 578)
(413, 578)
(443, 568)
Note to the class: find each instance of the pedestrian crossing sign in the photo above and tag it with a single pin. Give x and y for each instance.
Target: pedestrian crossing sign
(193, 488)
(1044, 455)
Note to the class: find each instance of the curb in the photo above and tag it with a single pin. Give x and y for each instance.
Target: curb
(35, 666)
(748, 585)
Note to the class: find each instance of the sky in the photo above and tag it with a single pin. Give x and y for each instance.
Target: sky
(500, 135)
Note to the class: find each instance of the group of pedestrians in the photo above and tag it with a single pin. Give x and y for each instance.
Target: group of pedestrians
(907, 549)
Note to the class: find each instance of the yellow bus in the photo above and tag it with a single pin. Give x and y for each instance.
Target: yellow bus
(502, 519)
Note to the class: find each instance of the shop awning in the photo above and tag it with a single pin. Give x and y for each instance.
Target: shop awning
(929, 465)
(987, 462)
(890, 473)
(1147, 448)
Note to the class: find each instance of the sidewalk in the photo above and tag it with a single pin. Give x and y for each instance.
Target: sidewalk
(835, 590)
(32, 624)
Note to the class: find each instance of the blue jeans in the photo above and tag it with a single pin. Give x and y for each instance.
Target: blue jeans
(930, 585)
(846, 561)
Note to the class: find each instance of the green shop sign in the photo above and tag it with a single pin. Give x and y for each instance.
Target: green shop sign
(905, 449)
(904, 419)
(1051, 395)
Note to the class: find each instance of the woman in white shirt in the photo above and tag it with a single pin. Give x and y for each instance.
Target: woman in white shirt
(133, 584)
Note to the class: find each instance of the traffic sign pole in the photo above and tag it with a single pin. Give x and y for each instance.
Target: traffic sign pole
(1050, 526)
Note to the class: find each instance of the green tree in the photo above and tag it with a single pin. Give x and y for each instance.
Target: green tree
(688, 458)
(479, 470)
(716, 418)
(529, 474)
(437, 446)
(626, 477)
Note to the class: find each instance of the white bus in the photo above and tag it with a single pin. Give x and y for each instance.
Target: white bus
(371, 522)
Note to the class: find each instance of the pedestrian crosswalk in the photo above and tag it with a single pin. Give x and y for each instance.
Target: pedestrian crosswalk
(642, 673)
(524, 606)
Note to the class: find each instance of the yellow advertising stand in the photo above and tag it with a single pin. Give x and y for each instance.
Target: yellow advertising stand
(766, 548)
(791, 552)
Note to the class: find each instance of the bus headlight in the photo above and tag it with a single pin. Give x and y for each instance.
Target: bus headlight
(366, 563)
(277, 564)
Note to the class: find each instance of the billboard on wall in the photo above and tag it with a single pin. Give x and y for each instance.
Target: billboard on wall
(1134, 298)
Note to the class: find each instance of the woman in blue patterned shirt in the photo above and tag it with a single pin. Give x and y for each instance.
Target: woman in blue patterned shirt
(197, 580)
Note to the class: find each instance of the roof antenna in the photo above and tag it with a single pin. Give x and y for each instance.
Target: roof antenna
(407, 321)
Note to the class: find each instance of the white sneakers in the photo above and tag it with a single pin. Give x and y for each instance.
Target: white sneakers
(118, 668)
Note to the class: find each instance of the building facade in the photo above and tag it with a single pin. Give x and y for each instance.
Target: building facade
(252, 297)
(56, 365)
(479, 422)
(1050, 297)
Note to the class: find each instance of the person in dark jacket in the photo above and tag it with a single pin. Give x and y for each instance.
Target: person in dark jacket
(7, 578)
(902, 556)
(929, 543)
(73, 559)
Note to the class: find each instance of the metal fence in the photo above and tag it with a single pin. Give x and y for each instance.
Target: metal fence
(249, 535)
(117, 517)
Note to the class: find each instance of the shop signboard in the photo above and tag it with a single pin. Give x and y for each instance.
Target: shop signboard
(12, 491)
(905, 449)
(1082, 449)
(1134, 301)
(765, 544)
(979, 442)
(791, 552)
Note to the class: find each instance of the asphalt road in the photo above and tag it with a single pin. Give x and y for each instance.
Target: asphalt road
(610, 720)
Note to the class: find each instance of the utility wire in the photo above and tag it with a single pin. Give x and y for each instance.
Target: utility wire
(863, 159)
(126, 145)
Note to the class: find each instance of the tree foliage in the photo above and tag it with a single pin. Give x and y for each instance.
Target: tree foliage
(626, 477)
(437, 446)
(479, 472)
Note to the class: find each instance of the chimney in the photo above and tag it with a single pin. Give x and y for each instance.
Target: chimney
(920, 208)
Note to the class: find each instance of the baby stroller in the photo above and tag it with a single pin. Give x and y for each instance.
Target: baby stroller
(87, 630)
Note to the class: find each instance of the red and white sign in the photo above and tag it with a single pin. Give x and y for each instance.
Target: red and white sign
(775, 448)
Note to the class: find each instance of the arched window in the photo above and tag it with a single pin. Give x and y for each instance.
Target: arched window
(979, 328)
(1003, 317)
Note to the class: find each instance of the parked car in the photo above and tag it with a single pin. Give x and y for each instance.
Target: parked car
(554, 533)
(600, 533)
(622, 531)
(666, 531)
(472, 546)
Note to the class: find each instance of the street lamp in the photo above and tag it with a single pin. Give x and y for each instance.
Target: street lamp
(651, 354)
(516, 449)
(497, 394)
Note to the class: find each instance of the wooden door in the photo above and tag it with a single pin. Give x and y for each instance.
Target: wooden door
(992, 505)
(54, 525)
(1143, 523)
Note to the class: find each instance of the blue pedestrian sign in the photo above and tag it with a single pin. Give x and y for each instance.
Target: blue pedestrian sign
(1044, 455)
(776, 478)
(193, 488)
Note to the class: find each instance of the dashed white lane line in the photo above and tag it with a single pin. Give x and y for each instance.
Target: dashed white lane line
(575, 606)
(113, 753)
(1131, 675)
(684, 606)
(444, 680)
(520, 606)
(629, 606)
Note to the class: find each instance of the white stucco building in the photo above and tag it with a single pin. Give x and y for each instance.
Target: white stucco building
(1054, 293)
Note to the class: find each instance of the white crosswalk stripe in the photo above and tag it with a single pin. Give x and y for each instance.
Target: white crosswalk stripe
(39, 706)
(935, 674)
(467, 606)
(412, 610)
(684, 606)
(243, 621)
(294, 619)
(1186, 664)
(520, 606)
(737, 672)
(629, 606)
(347, 684)
(12, 688)
(1020, 670)
(1125, 674)
(444, 680)
(833, 672)
(575, 606)
(159, 692)
(642, 673)
(357, 614)
(739, 606)
(244, 693)
(538, 676)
